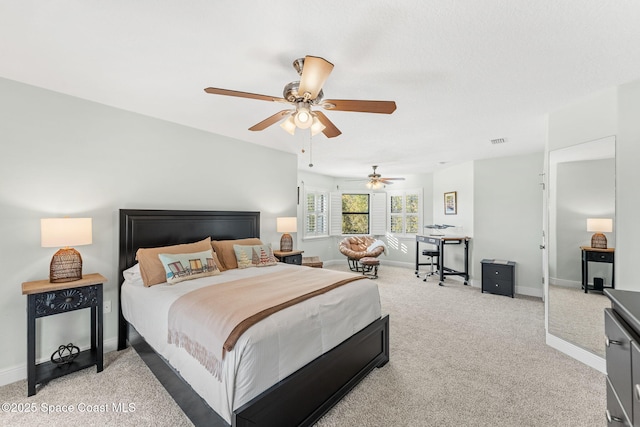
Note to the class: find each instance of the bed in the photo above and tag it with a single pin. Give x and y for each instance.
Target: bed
(300, 398)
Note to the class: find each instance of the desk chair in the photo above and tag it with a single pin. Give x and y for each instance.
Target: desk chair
(433, 257)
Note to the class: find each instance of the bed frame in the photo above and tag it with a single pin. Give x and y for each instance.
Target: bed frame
(300, 399)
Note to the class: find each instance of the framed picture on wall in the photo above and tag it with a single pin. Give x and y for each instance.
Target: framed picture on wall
(450, 203)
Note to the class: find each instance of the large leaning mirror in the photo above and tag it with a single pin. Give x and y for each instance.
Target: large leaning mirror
(581, 199)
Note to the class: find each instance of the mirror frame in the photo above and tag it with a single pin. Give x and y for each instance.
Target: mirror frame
(579, 353)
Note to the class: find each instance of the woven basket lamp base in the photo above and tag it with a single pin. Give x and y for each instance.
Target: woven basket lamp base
(286, 243)
(66, 266)
(599, 241)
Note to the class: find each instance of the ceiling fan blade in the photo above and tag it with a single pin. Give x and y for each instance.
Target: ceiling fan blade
(390, 179)
(330, 130)
(381, 107)
(315, 72)
(271, 120)
(227, 92)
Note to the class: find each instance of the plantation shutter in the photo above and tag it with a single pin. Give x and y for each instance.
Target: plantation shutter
(335, 214)
(378, 214)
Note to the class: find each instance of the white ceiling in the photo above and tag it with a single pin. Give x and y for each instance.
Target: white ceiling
(461, 72)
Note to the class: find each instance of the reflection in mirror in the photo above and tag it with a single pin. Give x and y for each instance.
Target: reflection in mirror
(581, 187)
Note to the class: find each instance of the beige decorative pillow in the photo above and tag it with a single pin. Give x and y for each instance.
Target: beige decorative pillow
(181, 267)
(150, 266)
(226, 254)
(254, 255)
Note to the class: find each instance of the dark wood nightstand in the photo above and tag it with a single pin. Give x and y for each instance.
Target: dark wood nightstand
(292, 257)
(46, 299)
(498, 277)
(590, 254)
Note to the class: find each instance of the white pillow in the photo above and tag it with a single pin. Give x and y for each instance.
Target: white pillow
(133, 276)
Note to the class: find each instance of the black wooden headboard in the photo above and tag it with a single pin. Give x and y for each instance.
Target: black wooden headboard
(141, 228)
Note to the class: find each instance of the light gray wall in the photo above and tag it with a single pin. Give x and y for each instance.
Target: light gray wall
(458, 178)
(508, 217)
(627, 188)
(584, 189)
(63, 156)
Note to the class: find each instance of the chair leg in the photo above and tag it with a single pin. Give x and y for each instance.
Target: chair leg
(354, 264)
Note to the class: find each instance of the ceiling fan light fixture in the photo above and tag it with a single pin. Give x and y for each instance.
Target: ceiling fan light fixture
(316, 126)
(374, 185)
(289, 125)
(303, 117)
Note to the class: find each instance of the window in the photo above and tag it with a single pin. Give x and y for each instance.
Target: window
(404, 212)
(355, 214)
(316, 214)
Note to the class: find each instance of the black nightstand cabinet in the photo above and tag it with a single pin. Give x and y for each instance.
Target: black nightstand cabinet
(293, 257)
(498, 278)
(47, 299)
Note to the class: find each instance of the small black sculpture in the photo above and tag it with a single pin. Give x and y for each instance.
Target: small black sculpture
(65, 354)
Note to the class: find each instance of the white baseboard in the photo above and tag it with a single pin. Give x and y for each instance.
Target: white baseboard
(18, 373)
(578, 353)
(565, 283)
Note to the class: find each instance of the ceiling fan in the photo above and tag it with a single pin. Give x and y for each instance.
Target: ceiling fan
(307, 93)
(376, 180)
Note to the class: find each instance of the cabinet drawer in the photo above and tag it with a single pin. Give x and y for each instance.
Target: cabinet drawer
(615, 414)
(600, 256)
(293, 259)
(500, 287)
(618, 357)
(497, 272)
(635, 382)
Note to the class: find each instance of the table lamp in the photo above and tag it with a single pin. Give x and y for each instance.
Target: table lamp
(599, 226)
(66, 264)
(286, 225)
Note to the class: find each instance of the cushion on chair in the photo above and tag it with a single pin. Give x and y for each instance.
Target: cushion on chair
(369, 261)
(355, 247)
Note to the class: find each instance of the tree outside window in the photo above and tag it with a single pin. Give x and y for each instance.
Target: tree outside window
(355, 214)
(404, 213)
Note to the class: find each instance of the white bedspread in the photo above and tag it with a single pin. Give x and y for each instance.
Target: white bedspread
(270, 350)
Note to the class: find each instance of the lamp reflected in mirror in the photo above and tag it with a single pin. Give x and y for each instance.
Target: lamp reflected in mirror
(599, 226)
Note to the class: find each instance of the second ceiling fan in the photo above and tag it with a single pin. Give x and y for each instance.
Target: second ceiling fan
(307, 93)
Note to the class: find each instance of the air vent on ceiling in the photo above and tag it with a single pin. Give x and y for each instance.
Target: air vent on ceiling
(498, 141)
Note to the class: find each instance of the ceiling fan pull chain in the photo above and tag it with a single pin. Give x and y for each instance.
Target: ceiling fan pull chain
(310, 151)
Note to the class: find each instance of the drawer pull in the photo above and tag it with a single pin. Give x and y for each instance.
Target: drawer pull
(497, 272)
(609, 342)
(613, 418)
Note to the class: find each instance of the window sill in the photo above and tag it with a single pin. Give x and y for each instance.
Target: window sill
(315, 237)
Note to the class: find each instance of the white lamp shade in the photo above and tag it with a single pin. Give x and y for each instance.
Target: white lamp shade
(600, 225)
(64, 232)
(287, 224)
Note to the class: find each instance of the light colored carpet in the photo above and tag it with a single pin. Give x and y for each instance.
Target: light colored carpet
(458, 358)
(578, 317)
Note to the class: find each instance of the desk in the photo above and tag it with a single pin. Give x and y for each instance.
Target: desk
(441, 242)
(596, 255)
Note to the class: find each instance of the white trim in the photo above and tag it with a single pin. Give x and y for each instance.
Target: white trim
(580, 354)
